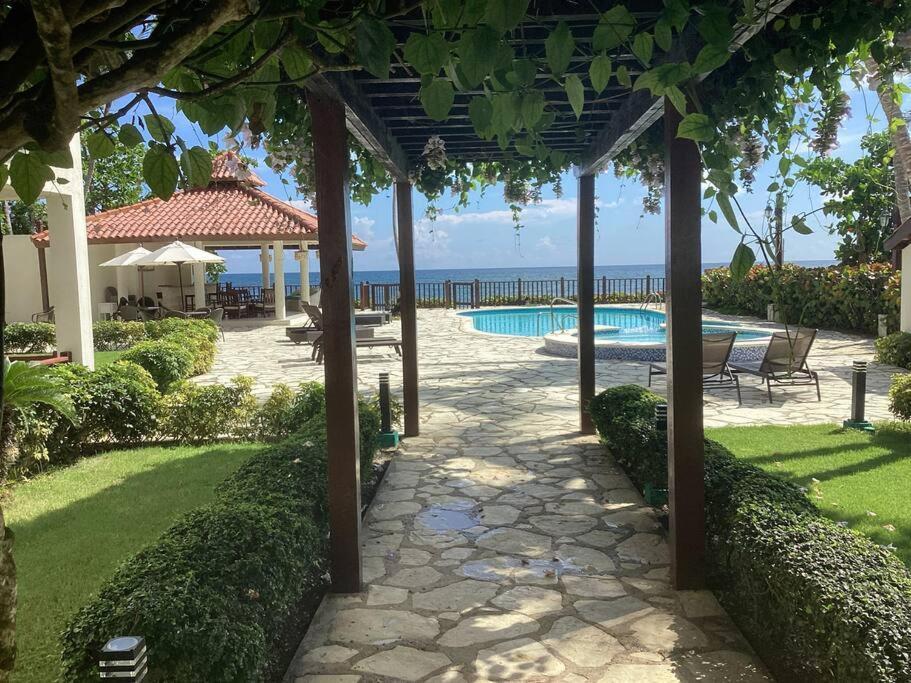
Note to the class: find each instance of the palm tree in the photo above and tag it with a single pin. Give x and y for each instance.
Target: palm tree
(23, 386)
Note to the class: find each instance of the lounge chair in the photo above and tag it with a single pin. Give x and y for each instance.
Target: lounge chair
(301, 334)
(716, 351)
(361, 318)
(216, 315)
(785, 362)
(373, 343)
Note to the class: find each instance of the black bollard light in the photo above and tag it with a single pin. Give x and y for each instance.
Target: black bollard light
(661, 417)
(389, 437)
(654, 493)
(858, 398)
(124, 658)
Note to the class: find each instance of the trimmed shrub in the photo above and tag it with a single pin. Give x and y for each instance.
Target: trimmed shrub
(271, 421)
(156, 329)
(839, 297)
(894, 349)
(819, 602)
(197, 413)
(213, 595)
(166, 361)
(202, 349)
(900, 396)
(114, 335)
(29, 338)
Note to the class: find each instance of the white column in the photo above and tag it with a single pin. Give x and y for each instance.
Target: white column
(68, 265)
(278, 257)
(199, 282)
(305, 274)
(264, 263)
(906, 290)
(123, 282)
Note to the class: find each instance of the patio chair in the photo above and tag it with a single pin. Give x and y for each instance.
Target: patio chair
(785, 362)
(146, 315)
(216, 315)
(128, 313)
(231, 304)
(44, 316)
(171, 313)
(716, 352)
(266, 304)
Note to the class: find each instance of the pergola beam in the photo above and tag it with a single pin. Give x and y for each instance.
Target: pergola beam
(408, 307)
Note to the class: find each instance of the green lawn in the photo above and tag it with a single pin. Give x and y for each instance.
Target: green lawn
(74, 526)
(858, 478)
(103, 358)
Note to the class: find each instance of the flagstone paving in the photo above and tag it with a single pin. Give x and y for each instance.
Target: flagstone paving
(502, 545)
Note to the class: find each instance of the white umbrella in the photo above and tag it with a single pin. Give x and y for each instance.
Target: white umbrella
(177, 254)
(130, 259)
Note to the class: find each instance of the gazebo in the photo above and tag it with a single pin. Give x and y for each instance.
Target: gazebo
(232, 212)
(386, 117)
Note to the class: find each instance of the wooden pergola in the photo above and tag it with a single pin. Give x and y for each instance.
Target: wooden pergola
(386, 117)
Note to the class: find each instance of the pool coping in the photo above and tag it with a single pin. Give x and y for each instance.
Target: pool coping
(466, 319)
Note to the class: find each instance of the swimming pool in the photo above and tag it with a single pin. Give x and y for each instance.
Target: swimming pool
(620, 333)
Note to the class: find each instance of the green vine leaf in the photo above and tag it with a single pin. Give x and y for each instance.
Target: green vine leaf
(159, 170)
(28, 175)
(799, 224)
(786, 61)
(663, 36)
(129, 135)
(427, 53)
(159, 127)
(613, 29)
(525, 72)
(99, 145)
(575, 91)
(623, 77)
(643, 47)
(437, 98)
(696, 127)
(297, 63)
(477, 54)
(600, 72)
(742, 261)
(715, 26)
(375, 44)
(677, 98)
(480, 111)
(559, 47)
(711, 57)
(196, 163)
(532, 108)
(676, 13)
(727, 210)
(505, 15)
(505, 113)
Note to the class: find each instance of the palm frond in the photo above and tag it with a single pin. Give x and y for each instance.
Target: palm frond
(26, 384)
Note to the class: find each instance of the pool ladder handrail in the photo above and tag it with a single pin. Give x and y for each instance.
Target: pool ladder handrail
(653, 297)
(554, 318)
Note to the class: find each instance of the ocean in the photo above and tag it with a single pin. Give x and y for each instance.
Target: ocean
(484, 274)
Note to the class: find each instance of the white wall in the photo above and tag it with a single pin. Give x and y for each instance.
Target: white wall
(23, 282)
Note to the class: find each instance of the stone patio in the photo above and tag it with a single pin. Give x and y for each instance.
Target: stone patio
(504, 546)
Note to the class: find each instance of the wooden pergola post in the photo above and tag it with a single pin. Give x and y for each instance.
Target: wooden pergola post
(407, 305)
(683, 264)
(585, 247)
(330, 152)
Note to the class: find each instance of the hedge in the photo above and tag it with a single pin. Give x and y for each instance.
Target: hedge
(213, 595)
(29, 337)
(836, 297)
(817, 601)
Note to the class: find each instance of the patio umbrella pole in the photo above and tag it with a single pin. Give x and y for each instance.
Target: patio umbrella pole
(183, 304)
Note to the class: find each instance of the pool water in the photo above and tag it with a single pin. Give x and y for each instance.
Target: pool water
(626, 324)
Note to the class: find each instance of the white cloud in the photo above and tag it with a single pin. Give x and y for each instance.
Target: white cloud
(363, 227)
(545, 210)
(303, 205)
(545, 244)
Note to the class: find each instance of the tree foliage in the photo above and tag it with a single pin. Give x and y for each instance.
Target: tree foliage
(113, 179)
(860, 199)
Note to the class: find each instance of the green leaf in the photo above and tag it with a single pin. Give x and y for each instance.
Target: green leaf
(375, 44)
(505, 113)
(676, 13)
(743, 260)
(480, 111)
(159, 170)
(505, 15)
(99, 145)
(800, 226)
(663, 36)
(786, 61)
(265, 33)
(727, 210)
(677, 98)
(713, 216)
(532, 108)
(711, 57)
(296, 61)
(773, 187)
(437, 98)
(525, 71)
(784, 166)
(575, 91)
(28, 175)
(643, 47)
(477, 54)
(715, 26)
(4, 175)
(427, 53)
(159, 127)
(600, 72)
(129, 135)
(696, 127)
(60, 158)
(196, 163)
(559, 47)
(614, 27)
(623, 77)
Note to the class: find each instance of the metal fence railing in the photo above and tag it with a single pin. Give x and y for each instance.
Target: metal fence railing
(478, 293)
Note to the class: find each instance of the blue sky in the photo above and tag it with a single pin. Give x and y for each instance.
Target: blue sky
(481, 235)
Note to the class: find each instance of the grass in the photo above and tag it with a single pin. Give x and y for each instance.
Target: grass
(103, 358)
(854, 477)
(74, 526)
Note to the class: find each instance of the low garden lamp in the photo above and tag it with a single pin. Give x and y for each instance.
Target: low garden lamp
(124, 658)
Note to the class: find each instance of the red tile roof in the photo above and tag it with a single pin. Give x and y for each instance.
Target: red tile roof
(227, 166)
(230, 209)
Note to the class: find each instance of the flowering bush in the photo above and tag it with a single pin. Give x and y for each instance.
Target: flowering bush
(835, 297)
